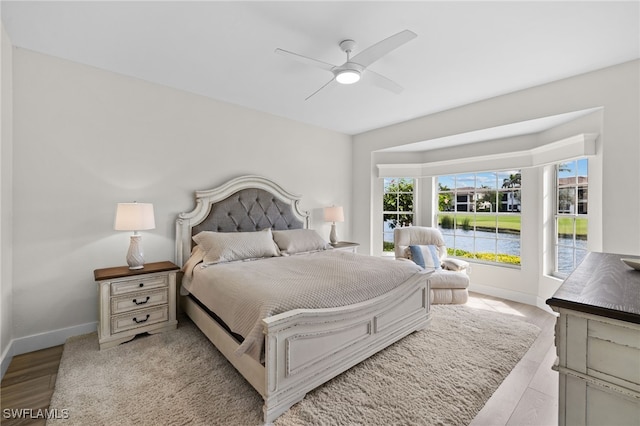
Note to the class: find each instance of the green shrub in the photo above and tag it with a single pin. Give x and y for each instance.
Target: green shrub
(446, 222)
(460, 253)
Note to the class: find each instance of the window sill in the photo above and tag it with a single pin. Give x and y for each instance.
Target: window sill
(480, 262)
(559, 278)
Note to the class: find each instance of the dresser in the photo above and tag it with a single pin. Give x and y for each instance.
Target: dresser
(597, 339)
(131, 302)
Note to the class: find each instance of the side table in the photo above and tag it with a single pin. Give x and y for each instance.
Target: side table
(131, 302)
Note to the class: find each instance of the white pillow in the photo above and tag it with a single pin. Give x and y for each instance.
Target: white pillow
(298, 241)
(230, 246)
(455, 264)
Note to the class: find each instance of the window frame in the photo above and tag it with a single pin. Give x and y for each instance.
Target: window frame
(497, 200)
(574, 217)
(413, 212)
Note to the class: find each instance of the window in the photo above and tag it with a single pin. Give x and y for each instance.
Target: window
(479, 215)
(398, 208)
(572, 190)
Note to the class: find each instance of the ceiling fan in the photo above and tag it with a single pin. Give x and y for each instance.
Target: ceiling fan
(352, 70)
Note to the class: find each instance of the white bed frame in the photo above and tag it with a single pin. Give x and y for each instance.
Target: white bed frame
(304, 348)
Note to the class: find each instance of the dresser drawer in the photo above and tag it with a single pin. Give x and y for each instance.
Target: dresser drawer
(137, 284)
(613, 354)
(140, 300)
(140, 318)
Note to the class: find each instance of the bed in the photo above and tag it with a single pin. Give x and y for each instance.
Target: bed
(287, 350)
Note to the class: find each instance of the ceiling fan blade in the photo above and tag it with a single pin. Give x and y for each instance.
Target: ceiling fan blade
(378, 50)
(330, 83)
(309, 61)
(383, 82)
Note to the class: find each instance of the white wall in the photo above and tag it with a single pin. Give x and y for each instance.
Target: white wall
(85, 139)
(614, 212)
(6, 164)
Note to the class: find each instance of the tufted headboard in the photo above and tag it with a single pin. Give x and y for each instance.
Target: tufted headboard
(244, 204)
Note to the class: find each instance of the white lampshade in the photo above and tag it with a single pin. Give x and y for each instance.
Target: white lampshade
(348, 77)
(134, 217)
(333, 214)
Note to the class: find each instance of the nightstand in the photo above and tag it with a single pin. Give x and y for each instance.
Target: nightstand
(131, 302)
(346, 246)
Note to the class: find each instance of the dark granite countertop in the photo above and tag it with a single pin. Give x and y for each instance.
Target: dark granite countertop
(602, 285)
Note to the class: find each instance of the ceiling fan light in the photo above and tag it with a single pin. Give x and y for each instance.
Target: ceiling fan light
(348, 77)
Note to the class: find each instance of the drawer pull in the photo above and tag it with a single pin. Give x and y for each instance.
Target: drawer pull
(141, 302)
(140, 321)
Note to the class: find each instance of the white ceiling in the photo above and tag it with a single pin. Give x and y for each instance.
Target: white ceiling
(464, 52)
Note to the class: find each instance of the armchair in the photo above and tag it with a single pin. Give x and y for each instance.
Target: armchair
(449, 282)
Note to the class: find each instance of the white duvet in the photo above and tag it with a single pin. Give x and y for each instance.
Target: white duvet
(243, 293)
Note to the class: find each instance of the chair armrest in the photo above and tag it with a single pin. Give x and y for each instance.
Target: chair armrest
(455, 264)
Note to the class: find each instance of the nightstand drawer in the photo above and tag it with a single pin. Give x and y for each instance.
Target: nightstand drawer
(138, 284)
(137, 319)
(141, 300)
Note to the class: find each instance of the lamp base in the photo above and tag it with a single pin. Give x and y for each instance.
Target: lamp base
(135, 258)
(333, 238)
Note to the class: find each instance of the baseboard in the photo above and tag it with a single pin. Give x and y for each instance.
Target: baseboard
(502, 293)
(515, 296)
(48, 339)
(7, 356)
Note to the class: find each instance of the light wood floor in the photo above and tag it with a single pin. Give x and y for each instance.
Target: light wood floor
(528, 396)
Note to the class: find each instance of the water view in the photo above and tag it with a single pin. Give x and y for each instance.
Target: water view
(486, 242)
(510, 244)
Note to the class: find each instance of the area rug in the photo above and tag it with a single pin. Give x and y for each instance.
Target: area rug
(439, 376)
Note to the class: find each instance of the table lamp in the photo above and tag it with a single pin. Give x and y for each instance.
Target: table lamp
(135, 217)
(333, 214)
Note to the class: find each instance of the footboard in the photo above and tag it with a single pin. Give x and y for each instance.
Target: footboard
(306, 348)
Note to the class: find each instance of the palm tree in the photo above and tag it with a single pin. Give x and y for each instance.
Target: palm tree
(513, 181)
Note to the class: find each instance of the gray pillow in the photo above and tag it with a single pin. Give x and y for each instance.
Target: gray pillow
(222, 247)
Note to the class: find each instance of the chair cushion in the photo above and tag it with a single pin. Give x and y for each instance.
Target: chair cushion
(449, 296)
(449, 279)
(425, 256)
